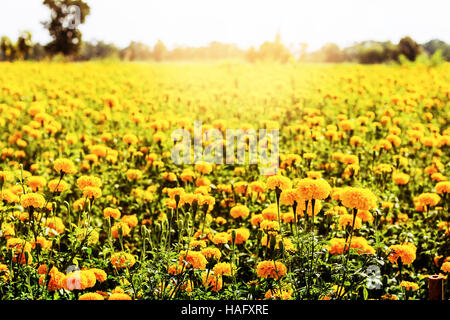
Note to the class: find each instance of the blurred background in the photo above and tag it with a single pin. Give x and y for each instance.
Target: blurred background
(175, 30)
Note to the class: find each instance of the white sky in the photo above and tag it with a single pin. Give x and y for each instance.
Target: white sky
(243, 22)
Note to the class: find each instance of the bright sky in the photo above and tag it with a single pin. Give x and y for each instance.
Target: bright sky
(243, 22)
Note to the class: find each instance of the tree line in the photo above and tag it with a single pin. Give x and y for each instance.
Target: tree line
(67, 42)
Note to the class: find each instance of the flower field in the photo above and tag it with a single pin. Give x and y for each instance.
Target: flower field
(94, 208)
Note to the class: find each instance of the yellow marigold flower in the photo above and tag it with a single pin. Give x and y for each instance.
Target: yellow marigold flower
(64, 166)
(175, 192)
(278, 182)
(358, 198)
(123, 260)
(91, 296)
(57, 185)
(193, 259)
(119, 296)
(130, 139)
(309, 189)
(239, 211)
(9, 196)
(88, 181)
(34, 200)
(406, 252)
(271, 269)
(269, 226)
(115, 230)
(92, 192)
(111, 212)
(400, 178)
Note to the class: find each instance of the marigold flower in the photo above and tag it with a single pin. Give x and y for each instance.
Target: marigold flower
(239, 211)
(122, 260)
(211, 253)
(91, 296)
(446, 267)
(271, 269)
(34, 200)
(409, 286)
(89, 181)
(119, 296)
(57, 185)
(213, 282)
(346, 220)
(92, 192)
(36, 183)
(224, 269)
(242, 235)
(278, 181)
(358, 198)
(111, 212)
(309, 189)
(193, 259)
(406, 253)
(64, 166)
(428, 199)
(120, 227)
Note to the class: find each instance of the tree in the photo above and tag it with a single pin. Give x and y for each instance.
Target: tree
(159, 51)
(409, 48)
(66, 16)
(332, 52)
(8, 51)
(24, 45)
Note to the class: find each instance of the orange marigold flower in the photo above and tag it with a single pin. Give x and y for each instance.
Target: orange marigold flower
(111, 212)
(119, 296)
(358, 198)
(346, 220)
(36, 183)
(400, 178)
(309, 189)
(224, 269)
(64, 166)
(120, 227)
(242, 235)
(409, 286)
(57, 185)
(239, 211)
(278, 182)
(211, 253)
(446, 267)
(92, 192)
(91, 296)
(34, 200)
(271, 269)
(88, 181)
(406, 252)
(213, 282)
(193, 259)
(428, 199)
(123, 260)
